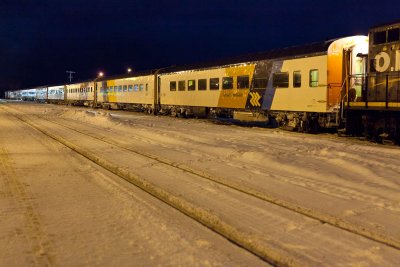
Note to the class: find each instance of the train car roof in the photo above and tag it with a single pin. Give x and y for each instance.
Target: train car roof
(125, 76)
(299, 51)
(385, 24)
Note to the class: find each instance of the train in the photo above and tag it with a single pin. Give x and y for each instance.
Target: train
(350, 84)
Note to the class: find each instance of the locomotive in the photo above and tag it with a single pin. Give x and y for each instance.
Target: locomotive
(374, 111)
(350, 84)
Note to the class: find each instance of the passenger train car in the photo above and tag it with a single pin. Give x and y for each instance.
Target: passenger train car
(135, 92)
(299, 87)
(350, 83)
(80, 94)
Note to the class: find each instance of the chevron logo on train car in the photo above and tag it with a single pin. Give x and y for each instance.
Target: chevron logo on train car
(255, 99)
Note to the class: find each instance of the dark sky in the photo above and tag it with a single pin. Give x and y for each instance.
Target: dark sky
(40, 40)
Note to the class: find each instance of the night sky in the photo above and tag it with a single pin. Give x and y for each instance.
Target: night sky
(41, 40)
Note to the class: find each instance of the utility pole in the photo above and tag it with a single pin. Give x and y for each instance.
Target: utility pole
(70, 75)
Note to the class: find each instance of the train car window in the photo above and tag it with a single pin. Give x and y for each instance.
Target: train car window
(181, 85)
(141, 87)
(313, 78)
(380, 37)
(202, 84)
(191, 85)
(136, 88)
(125, 88)
(280, 79)
(101, 89)
(130, 88)
(172, 86)
(296, 79)
(227, 83)
(214, 84)
(120, 88)
(115, 89)
(243, 82)
(393, 35)
(260, 83)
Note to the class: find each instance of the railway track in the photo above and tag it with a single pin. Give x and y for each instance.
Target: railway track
(268, 253)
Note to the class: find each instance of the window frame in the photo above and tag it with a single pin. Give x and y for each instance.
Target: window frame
(172, 88)
(280, 83)
(227, 78)
(380, 37)
(313, 83)
(296, 85)
(182, 85)
(246, 81)
(215, 87)
(390, 35)
(201, 88)
(193, 87)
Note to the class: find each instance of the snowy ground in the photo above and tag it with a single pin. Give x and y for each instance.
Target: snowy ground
(57, 208)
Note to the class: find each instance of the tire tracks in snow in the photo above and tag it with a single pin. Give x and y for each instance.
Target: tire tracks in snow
(41, 247)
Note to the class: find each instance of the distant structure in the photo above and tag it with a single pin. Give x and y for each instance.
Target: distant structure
(70, 72)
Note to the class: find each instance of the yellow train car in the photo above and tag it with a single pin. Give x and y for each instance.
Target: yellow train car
(134, 92)
(225, 87)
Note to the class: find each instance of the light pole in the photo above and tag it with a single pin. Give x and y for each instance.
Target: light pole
(99, 75)
(70, 72)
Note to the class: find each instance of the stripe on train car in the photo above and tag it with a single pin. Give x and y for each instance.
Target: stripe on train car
(236, 98)
(255, 99)
(270, 91)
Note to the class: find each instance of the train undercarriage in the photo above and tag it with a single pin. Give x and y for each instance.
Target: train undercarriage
(382, 126)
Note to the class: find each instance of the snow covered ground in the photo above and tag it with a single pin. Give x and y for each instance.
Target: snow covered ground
(58, 209)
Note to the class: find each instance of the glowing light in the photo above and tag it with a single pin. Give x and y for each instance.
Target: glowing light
(129, 70)
(101, 74)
